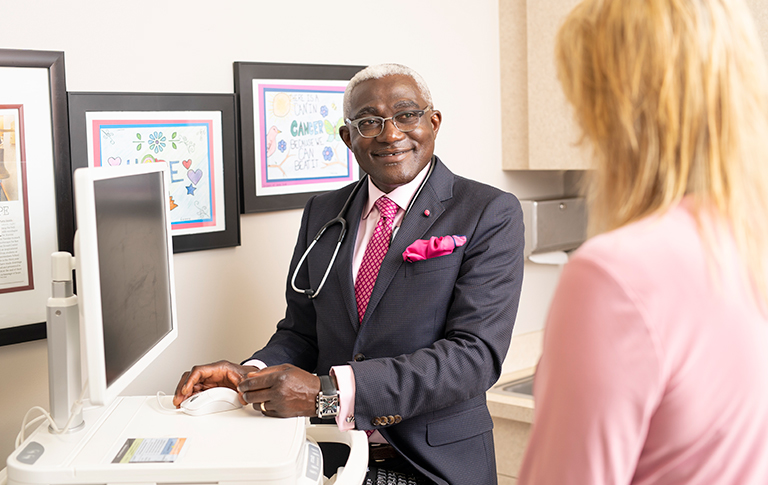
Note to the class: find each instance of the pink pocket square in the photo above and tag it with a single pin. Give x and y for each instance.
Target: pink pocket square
(422, 249)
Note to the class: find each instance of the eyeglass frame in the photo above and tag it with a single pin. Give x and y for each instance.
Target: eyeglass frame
(356, 121)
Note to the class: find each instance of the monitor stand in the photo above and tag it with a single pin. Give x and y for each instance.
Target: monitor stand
(63, 334)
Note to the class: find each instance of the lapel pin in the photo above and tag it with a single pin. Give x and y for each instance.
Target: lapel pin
(426, 213)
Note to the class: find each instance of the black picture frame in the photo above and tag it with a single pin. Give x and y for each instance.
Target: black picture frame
(82, 103)
(245, 73)
(53, 63)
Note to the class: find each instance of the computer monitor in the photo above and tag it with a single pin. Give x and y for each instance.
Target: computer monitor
(124, 273)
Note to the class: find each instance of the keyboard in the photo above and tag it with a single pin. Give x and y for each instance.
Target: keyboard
(380, 476)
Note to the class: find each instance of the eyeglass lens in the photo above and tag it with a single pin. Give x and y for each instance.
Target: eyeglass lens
(404, 121)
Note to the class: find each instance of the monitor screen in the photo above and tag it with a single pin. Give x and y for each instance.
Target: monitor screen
(124, 268)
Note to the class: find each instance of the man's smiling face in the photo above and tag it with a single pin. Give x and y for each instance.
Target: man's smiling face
(393, 158)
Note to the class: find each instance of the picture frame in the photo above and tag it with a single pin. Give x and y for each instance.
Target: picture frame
(37, 208)
(195, 134)
(289, 144)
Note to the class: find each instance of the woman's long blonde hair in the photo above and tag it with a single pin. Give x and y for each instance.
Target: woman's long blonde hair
(673, 96)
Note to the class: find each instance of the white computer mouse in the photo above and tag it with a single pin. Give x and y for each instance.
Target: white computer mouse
(213, 400)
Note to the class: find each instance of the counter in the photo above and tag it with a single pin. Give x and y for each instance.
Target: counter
(512, 413)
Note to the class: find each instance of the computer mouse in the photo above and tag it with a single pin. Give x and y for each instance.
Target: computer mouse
(213, 400)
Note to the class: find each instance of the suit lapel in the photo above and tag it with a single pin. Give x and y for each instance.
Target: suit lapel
(414, 226)
(344, 259)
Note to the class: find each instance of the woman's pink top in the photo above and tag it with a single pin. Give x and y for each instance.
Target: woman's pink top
(655, 366)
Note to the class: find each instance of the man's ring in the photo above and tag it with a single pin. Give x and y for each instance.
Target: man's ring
(263, 409)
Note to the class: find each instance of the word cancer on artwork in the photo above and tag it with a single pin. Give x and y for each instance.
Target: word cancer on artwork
(307, 128)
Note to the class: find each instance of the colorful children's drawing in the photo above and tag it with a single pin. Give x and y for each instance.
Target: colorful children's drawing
(298, 147)
(190, 146)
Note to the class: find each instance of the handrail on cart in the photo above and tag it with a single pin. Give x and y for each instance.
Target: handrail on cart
(353, 473)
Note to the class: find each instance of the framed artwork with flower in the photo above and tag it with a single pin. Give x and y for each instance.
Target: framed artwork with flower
(195, 134)
(290, 116)
(35, 187)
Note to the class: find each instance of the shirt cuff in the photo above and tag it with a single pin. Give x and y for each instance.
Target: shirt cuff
(345, 380)
(256, 363)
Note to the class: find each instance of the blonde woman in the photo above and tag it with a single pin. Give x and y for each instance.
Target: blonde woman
(655, 362)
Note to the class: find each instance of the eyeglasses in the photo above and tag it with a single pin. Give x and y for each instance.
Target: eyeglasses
(373, 126)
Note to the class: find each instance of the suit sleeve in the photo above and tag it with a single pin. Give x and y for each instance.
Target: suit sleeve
(482, 307)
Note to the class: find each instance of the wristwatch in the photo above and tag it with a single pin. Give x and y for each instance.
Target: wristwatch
(327, 402)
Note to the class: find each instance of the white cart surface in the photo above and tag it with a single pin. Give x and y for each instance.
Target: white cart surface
(139, 441)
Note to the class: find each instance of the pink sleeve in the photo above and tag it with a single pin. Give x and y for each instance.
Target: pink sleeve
(596, 385)
(345, 379)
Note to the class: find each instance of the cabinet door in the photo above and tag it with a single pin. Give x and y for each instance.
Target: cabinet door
(538, 129)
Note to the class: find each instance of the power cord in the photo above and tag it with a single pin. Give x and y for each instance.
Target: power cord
(163, 408)
(77, 407)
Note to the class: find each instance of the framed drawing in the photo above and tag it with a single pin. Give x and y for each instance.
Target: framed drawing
(35, 187)
(289, 133)
(194, 134)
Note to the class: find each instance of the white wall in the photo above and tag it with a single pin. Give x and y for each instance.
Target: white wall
(230, 299)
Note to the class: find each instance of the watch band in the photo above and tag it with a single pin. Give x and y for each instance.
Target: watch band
(327, 402)
(327, 387)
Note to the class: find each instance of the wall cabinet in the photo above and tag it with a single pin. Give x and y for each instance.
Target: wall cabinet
(538, 129)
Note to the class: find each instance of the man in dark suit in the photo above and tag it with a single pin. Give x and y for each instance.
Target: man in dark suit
(412, 360)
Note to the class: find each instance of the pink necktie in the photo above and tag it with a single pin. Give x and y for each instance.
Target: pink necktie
(374, 254)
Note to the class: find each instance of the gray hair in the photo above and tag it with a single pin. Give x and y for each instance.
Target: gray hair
(379, 71)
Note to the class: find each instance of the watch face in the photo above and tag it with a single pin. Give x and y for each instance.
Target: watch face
(329, 406)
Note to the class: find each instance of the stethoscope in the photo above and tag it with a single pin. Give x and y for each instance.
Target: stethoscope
(339, 219)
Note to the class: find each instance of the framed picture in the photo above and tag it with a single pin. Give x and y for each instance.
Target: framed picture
(290, 116)
(194, 134)
(35, 187)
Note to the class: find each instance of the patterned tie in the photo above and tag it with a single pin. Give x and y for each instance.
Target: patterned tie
(374, 254)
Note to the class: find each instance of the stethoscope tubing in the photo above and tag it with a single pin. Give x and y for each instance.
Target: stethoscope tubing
(339, 219)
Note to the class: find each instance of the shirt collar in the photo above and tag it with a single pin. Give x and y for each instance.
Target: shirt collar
(401, 196)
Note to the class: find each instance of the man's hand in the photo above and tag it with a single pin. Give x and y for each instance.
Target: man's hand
(285, 390)
(202, 377)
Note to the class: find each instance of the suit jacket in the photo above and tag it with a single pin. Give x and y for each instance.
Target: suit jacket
(436, 331)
